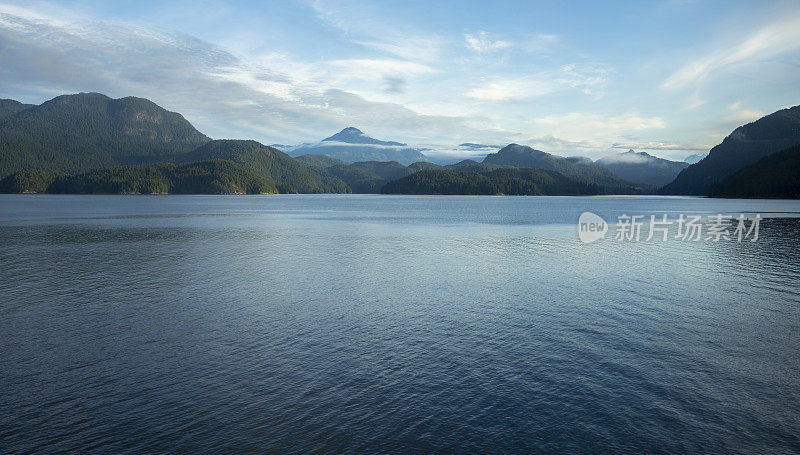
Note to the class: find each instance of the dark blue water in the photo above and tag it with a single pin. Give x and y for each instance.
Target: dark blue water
(376, 324)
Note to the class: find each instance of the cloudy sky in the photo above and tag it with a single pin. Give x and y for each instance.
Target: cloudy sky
(669, 77)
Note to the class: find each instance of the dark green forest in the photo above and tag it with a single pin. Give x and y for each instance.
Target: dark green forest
(500, 181)
(744, 146)
(318, 161)
(205, 177)
(288, 174)
(11, 107)
(363, 176)
(78, 133)
(776, 176)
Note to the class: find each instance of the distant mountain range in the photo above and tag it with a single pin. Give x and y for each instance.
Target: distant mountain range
(691, 159)
(744, 146)
(580, 169)
(372, 176)
(90, 143)
(642, 168)
(351, 145)
(518, 170)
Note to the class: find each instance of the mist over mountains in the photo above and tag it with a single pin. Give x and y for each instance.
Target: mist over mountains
(91, 143)
(352, 145)
(691, 159)
(642, 168)
(577, 168)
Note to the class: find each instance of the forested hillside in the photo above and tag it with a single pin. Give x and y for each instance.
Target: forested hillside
(205, 177)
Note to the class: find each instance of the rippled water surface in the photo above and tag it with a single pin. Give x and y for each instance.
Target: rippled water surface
(374, 324)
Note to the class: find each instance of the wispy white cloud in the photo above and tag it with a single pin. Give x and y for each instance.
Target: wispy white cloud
(740, 115)
(626, 158)
(380, 67)
(361, 25)
(418, 48)
(555, 144)
(482, 43)
(694, 101)
(581, 125)
(366, 76)
(765, 43)
(743, 116)
(505, 90)
(588, 80)
(540, 43)
(659, 145)
(223, 94)
(333, 14)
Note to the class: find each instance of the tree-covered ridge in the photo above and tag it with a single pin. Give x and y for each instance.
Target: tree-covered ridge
(775, 176)
(361, 177)
(387, 170)
(318, 161)
(359, 180)
(205, 177)
(576, 168)
(474, 166)
(370, 176)
(288, 175)
(10, 107)
(28, 181)
(497, 182)
(423, 166)
(642, 167)
(78, 133)
(75, 134)
(744, 146)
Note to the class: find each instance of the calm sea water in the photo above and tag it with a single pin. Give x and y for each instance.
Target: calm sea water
(376, 324)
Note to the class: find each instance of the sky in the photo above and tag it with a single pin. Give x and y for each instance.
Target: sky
(671, 77)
